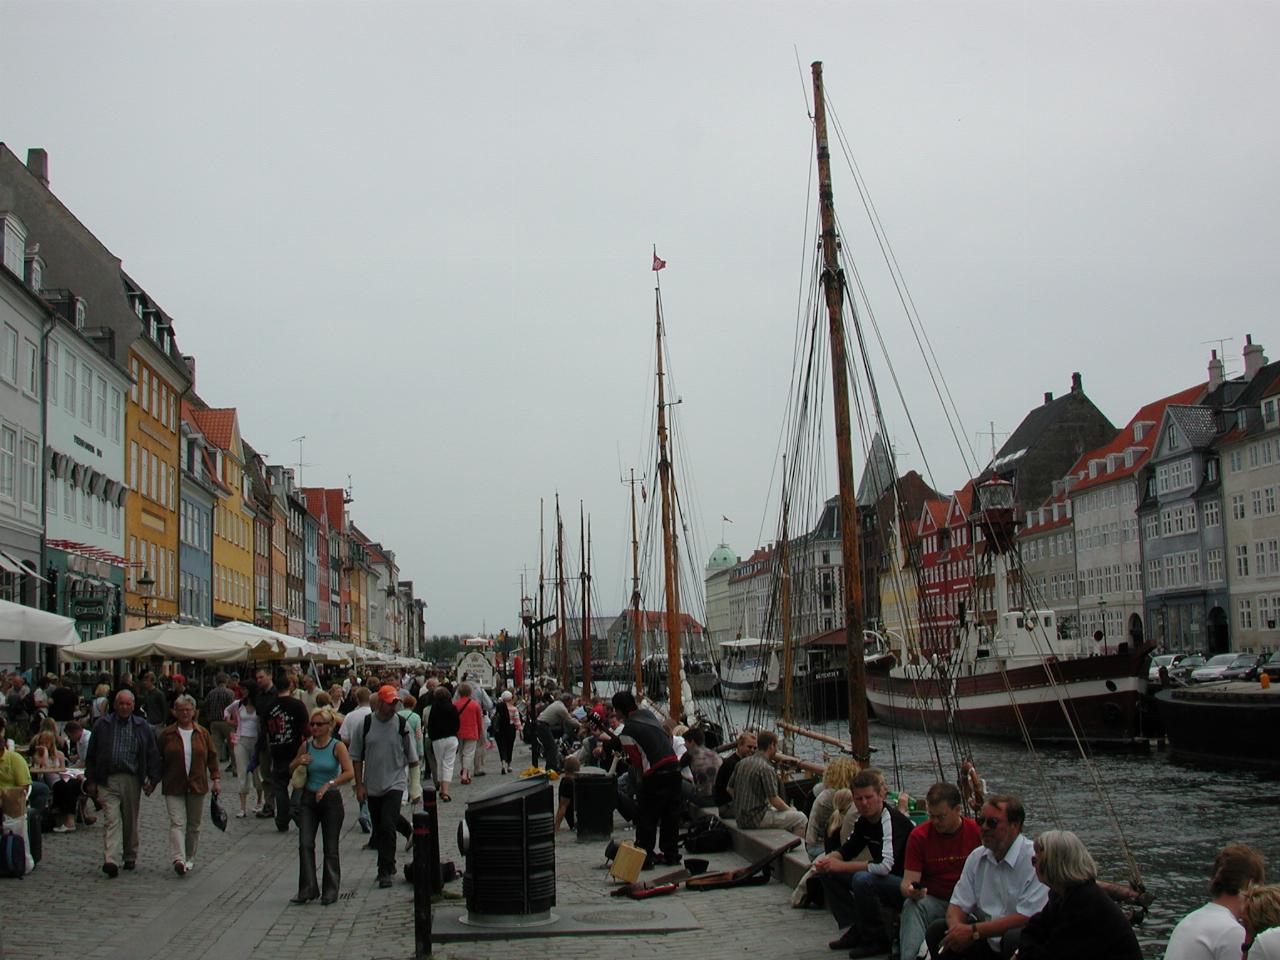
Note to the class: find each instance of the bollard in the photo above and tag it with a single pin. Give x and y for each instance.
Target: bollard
(435, 874)
(423, 840)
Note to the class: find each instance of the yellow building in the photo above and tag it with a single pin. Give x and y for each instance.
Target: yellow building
(160, 378)
(233, 518)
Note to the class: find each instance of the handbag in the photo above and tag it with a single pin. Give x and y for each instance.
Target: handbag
(216, 813)
(299, 778)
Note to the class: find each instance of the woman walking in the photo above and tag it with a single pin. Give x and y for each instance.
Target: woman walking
(328, 766)
(188, 771)
(245, 729)
(506, 725)
(442, 729)
(470, 729)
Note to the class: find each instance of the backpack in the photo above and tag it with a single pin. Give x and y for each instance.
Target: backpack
(368, 722)
(708, 835)
(13, 856)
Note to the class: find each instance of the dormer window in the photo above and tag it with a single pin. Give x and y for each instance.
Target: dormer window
(81, 311)
(35, 271)
(1269, 411)
(13, 236)
(1171, 438)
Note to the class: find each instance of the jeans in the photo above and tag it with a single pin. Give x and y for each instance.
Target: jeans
(854, 900)
(325, 816)
(659, 809)
(280, 775)
(917, 915)
(384, 810)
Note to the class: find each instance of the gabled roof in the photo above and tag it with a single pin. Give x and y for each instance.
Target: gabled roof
(1152, 414)
(933, 515)
(960, 505)
(1197, 424)
(218, 425)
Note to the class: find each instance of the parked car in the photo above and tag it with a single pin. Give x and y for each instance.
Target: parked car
(1212, 670)
(1182, 669)
(1245, 667)
(1166, 660)
(1271, 667)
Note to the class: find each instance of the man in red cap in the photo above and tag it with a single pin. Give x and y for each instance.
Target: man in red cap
(382, 751)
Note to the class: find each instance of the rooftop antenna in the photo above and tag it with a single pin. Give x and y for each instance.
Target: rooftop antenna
(300, 464)
(1222, 351)
(347, 495)
(992, 433)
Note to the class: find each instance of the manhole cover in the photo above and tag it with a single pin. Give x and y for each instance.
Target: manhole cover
(617, 916)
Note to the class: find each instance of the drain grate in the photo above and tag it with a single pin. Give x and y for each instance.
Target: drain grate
(349, 895)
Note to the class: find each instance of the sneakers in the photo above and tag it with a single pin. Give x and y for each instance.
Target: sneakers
(111, 870)
(191, 865)
(241, 815)
(63, 828)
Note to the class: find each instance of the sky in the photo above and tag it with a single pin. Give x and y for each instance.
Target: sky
(420, 234)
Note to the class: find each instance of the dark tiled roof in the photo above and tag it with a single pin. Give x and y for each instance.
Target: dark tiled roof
(1198, 424)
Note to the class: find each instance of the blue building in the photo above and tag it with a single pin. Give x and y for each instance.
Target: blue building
(200, 491)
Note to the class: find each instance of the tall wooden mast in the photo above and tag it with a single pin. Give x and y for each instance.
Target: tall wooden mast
(833, 288)
(674, 661)
(586, 605)
(636, 632)
(784, 584)
(562, 632)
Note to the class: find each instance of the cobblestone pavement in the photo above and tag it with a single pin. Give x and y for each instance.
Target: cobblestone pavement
(236, 902)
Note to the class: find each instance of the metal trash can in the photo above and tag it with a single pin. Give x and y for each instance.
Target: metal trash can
(510, 875)
(595, 794)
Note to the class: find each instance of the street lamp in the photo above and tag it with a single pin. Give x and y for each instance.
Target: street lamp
(146, 585)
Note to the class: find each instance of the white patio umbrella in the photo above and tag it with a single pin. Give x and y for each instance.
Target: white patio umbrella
(173, 641)
(29, 625)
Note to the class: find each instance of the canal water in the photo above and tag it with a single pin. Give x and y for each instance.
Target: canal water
(1175, 817)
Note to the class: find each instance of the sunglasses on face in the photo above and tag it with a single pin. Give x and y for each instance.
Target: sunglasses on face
(989, 822)
(319, 723)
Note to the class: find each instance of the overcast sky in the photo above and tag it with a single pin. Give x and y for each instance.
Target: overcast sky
(420, 233)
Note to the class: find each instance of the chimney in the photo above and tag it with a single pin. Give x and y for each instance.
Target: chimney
(38, 164)
(1075, 383)
(190, 361)
(1048, 396)
(1254, 358)
(1215, 370)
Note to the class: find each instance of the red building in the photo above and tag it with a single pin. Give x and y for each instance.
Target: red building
(946, 567)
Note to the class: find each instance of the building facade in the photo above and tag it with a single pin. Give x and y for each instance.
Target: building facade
(233, 517)
(200, 492)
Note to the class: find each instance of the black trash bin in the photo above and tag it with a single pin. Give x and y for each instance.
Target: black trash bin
(511, 854)
(595, 793)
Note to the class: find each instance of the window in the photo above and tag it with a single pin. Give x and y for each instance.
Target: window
(117, 406)
(1151, 527)
(86, 507)
(86, 393)
(1256, 497)
(115, 520)
(33, 369)
(102, 514)
(173, 414)
(1269, 413)
(1242, 560)
(52, 386)
(133, 387)
(1254, 459)
(102, 406)
(51, 495)
(30, 474)
(145, 386)
(9, 357)
(154, 406)
(1269, 501)
(1174, 476)
(70, 381)
(1213, 565)
(8, 462)
(1237, 506)
(144, 487)
(1245, 609)
(1272, 548)
(1212, 514)
(1235, 461)
(68, 501)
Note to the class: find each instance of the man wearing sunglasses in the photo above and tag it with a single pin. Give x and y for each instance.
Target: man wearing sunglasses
(998, 890)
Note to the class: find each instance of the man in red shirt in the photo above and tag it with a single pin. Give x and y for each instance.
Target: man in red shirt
(936, 852)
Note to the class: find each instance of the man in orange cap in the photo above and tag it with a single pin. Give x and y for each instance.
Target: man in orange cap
(382, 751)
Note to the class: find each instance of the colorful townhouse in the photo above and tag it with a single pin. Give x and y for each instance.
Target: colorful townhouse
(233, 516)
(201, 492)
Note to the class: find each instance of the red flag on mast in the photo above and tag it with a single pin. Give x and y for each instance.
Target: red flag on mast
(658, 263)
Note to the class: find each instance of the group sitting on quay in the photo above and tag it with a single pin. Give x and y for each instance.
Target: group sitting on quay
(952, 884)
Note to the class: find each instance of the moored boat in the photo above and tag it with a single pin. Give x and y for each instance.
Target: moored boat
(748, 668)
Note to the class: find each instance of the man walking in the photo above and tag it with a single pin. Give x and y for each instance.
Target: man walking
(122, 762)
(286, 721)
(936, 853)
(381, 751)
(651, 757)
(998, 890)
(154, 704)
(757, 804)
(215, 705)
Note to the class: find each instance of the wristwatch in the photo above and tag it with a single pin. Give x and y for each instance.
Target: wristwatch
(976, 935)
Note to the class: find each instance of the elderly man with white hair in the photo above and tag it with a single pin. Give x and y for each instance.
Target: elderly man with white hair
(122, 762)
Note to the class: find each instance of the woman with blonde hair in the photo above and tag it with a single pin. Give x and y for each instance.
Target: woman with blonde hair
(328, 767)
(837, 776)
(1261, 918)
(1080, 919)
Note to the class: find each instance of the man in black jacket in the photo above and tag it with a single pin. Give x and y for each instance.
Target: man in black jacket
(285, 718)
(854, 889)
(651, 756)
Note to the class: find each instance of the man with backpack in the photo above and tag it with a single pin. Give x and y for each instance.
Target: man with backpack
(382, 750)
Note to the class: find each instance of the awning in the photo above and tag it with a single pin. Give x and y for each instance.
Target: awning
(29, 625)
(14, 566)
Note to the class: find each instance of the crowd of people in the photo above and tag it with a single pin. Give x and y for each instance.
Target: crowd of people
(952, 884)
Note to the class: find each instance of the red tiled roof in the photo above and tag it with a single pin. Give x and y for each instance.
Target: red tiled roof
(937, 511)
(217, 425)
(1152, 413)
